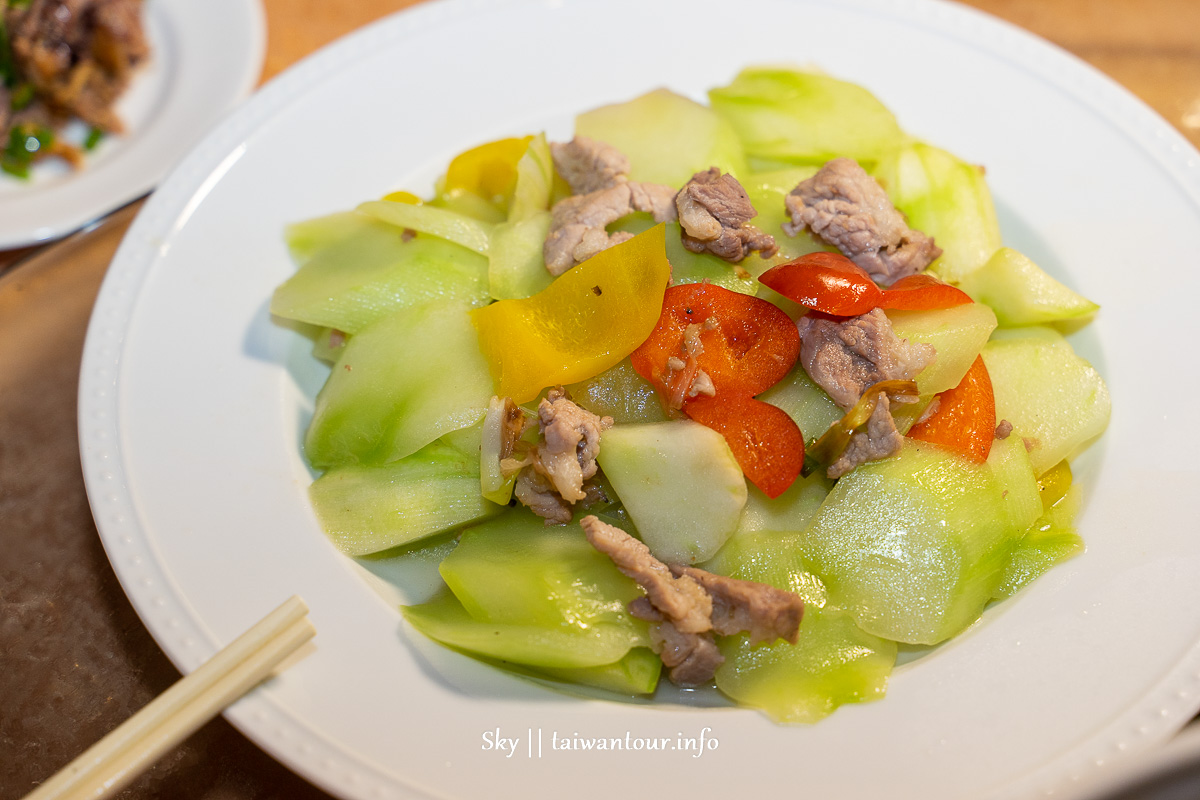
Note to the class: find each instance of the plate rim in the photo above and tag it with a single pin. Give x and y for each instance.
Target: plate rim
(207, 162)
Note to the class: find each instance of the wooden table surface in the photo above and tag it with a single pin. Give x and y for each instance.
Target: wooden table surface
(74, 658)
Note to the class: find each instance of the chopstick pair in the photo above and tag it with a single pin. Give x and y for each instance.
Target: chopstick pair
(110, 764)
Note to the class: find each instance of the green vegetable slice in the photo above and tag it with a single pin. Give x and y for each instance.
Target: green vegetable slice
(367, 509)
(390, 392)
(445, 620)
(786, 117)
(461, 229)
(833, 663)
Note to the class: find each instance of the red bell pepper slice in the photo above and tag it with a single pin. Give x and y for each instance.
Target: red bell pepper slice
(922, 292)
(746, 344)
(766, 442)
(826, 282)
(833, 284)
(965, 419)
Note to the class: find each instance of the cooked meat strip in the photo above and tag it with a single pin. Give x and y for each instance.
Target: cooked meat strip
(879, 440)
(714, 211)
(577, 223)
(685, 605)
(1004, 429)
(845, 357)
(553, 477)
(78, 54)
(691, 658)
(599, 177)
(577, 227)
(642, 608)
(710, 201)
(533, 489)
(847, 208)
(682, 601)
(589, 166)
(765, 612)
(570, 443)
(654, 199)
(595, 240)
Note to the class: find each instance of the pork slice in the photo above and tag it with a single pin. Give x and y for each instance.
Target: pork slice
(592, 210)
(844, 357)
(714, 200)
(765, 612)
(588, 165)
(533, 489)
(685, 606)
(847, 208)
(553, 478)
(880, 440)
(681, 601)
(643, 609)
(654, 199)
(596, 240)
(714, 212)
(570, 443)
(691, 658)
(577, 223)
(577, 226)
(734, 244)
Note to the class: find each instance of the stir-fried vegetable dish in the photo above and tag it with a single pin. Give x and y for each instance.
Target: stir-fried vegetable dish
(748, 394)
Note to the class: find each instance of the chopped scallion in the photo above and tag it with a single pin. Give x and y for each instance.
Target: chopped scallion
(24, 144)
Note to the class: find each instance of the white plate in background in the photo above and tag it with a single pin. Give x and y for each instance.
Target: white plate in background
(205, 57)
(192, 405)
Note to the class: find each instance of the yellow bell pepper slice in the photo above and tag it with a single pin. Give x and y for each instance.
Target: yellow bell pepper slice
(489, 170)
(403, 197)
(588, 320)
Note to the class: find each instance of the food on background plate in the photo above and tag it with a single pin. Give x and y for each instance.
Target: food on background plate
(63, 60)
(750, 391)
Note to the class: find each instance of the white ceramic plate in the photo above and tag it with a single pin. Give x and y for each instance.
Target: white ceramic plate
(206, 57)
(1171, 772)
(192, 405)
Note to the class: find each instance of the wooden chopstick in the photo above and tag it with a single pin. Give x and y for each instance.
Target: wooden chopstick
(110, 764)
